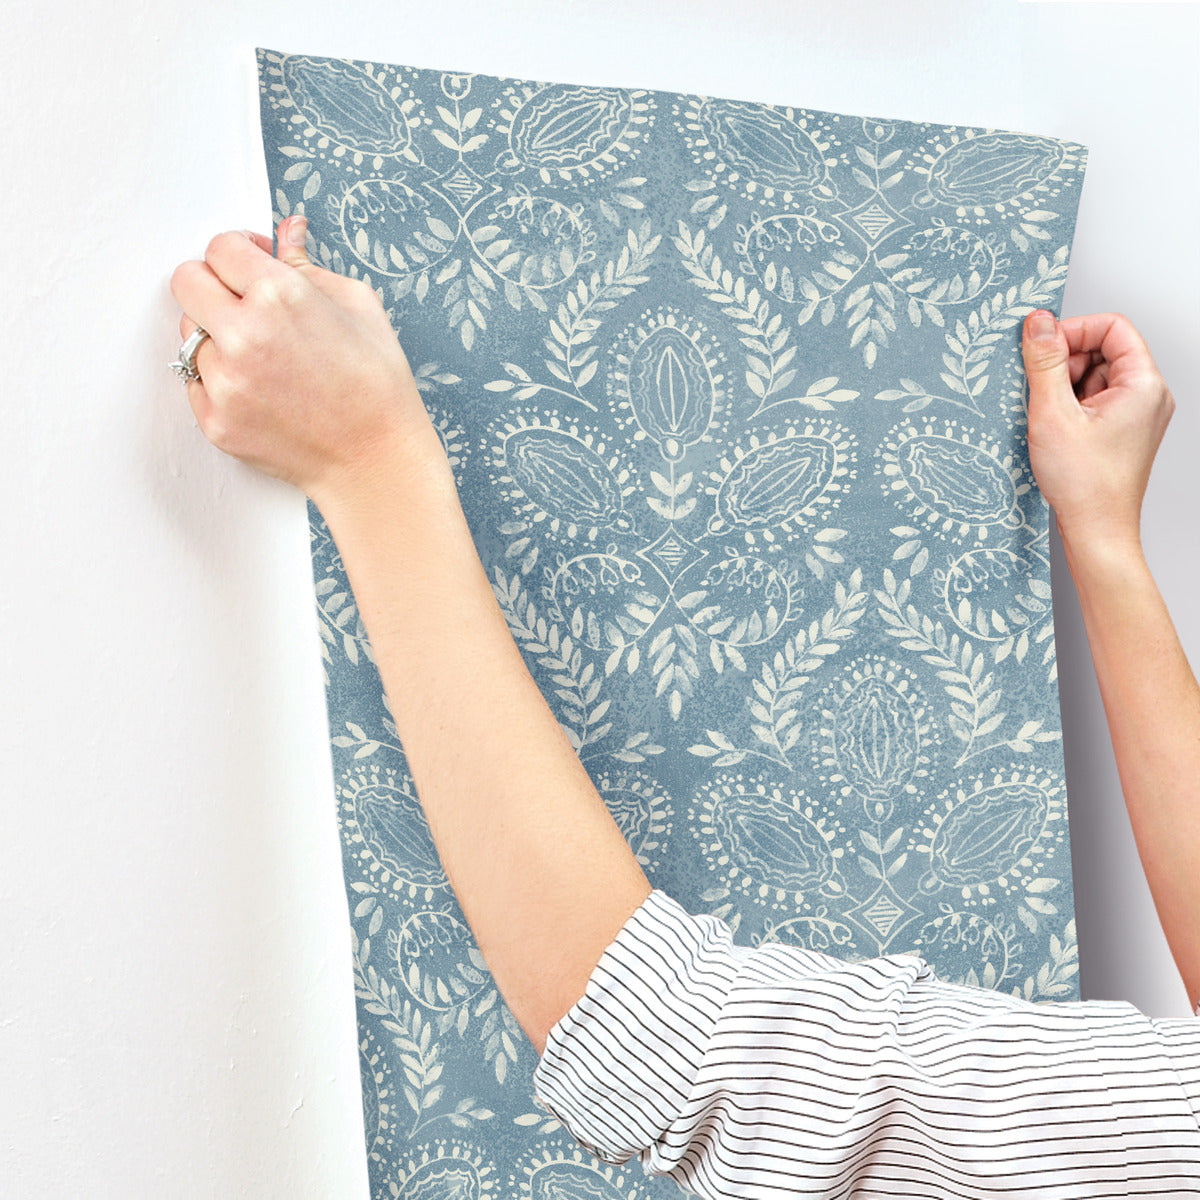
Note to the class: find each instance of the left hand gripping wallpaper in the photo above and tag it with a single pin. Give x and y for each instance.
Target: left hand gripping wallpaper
(734, 398)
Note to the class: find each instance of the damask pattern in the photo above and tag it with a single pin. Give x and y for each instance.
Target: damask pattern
(734, 398)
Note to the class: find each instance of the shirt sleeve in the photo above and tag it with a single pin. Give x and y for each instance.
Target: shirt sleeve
(776, 1071)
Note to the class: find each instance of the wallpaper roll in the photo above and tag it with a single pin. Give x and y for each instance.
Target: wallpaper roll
(733, 394)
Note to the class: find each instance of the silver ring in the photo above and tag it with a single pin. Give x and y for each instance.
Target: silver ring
(185, 365)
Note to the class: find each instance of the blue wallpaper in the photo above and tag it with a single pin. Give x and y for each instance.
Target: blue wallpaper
(734, 397)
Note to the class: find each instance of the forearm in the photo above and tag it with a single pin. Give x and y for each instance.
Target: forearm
(1152, 703)
(542, 872)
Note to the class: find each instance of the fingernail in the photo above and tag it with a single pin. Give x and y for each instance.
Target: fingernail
(297, 228)
(1042, 324)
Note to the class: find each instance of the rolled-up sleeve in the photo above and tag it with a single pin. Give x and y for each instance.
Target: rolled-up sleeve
(776, 1071)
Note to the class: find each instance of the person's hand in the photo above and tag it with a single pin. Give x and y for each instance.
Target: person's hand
(302, 375)
(1098, 408)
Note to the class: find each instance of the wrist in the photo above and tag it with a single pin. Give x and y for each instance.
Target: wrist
(1094, 552)
(402, 473)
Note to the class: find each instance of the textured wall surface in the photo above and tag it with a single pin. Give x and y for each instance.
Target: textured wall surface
(175, 1010)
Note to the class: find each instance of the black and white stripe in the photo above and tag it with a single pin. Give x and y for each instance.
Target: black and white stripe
(778, 1071)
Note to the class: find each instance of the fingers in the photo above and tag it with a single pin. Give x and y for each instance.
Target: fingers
(1111, 333)
(208, 291)
(239, 260)
(198, 396)
(262, 242)
(202, 296)
(210, 294)
(1067, 362)
(1109, 338)
(291, 237)
(242, 260)
(1083, 362)
(1084, 357)
(1092, 381)
(1047, 360)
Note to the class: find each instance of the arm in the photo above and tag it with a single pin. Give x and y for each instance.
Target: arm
(304, 379)
(1092, 454)
(542, 872)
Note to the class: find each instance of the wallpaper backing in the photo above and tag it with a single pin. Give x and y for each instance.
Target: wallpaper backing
(734, 397)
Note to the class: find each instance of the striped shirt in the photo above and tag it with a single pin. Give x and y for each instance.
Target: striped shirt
(777, 1071)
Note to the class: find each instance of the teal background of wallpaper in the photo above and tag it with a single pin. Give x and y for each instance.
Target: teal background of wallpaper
(734, 397)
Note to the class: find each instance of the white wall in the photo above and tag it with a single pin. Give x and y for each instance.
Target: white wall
(175, 1008)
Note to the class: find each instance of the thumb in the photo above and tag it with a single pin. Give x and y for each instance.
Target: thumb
(290, 240)
(1047, 358)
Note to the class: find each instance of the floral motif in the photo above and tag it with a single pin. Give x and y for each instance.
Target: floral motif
(346, 104)
(377, 1099)
(561, 475)
(447, 1171)
(821, 933)
(738, 600)
(775, 485)
(875, 735)
(394, 230)
(383, 825)
(990, 591)
(564, 130)
(767, 841)
(990, 170)
(945, 264)
(763, 151)
(969, 948)
(669, 383)
(561, 1173)
(641, 809)
(987, 838)
(592, 591)
(535, 241)
(432, 960)
(951, 481)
